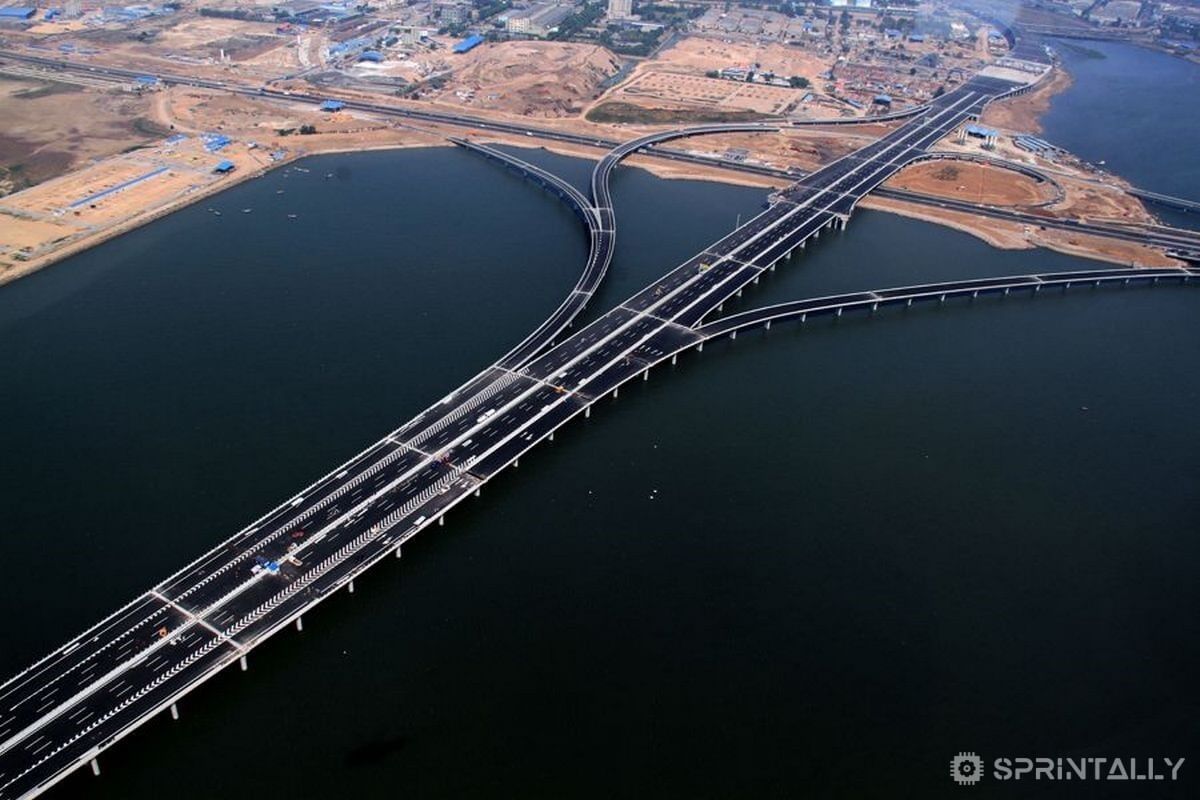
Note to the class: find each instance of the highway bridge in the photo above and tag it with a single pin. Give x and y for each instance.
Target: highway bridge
(101, 685)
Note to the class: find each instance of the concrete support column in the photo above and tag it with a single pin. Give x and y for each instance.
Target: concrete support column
(733, 335)
(839, 312)
(646, 375)
(587, 412)
(242, 663)
(442, 521)
(674, 359)
(768, 324)
(174, 711)
(95, 767)
(299, 623)
(616, 392)
(350, 587)
(477, 491)
(551, 436)
(909, 303)
(700, 347)
(397, 552)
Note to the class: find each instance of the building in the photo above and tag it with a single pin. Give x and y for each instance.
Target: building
(538, 20)
(620, 9)
(407, 34)
(452, 12)
(468, 44)
(17, 12)
(224, 167)
(332, 105)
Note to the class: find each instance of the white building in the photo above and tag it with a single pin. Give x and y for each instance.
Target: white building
(620, 9)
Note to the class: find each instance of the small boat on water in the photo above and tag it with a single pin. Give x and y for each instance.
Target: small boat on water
(247, 210)
(292, 216)
(217, 213)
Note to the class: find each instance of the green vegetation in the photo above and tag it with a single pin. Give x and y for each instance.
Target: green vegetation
(578, 21)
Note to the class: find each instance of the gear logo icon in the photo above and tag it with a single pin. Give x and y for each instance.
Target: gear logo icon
(966, 769)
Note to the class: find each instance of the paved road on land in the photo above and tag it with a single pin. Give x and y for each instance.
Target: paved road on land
(104, 683)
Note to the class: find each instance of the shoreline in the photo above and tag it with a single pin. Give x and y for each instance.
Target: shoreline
(1021, 112)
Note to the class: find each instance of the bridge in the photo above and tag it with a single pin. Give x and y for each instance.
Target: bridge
(66, 708)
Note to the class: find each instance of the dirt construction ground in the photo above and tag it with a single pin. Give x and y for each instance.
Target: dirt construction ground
(977, 183)
(51, 128)
(676, 81)
(531, 79)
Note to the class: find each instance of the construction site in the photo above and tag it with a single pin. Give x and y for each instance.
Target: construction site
(143, 147)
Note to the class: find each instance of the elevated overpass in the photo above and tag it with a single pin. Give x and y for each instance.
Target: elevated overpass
(101, 685)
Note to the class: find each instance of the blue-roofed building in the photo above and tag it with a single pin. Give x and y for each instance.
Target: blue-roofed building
(145, 80)
(332, 105)
(883, 100)
(17, 12)
(215, 141)
(468, 44)
(224, 167)
(374, 56)
(916, 37)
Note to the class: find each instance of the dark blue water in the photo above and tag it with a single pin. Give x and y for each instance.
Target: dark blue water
(1137, 110)
(813, 562)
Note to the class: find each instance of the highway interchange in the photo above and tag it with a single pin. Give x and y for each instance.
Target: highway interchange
(62, 711)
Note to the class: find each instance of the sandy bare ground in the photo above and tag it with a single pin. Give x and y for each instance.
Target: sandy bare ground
(977, 183)
(1021, 113)
(48, 129)
(530, 79)
(676, 80)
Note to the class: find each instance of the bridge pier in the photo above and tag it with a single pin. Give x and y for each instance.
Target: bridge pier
(1037, 288)
(397, 552)
(909, 303)
(442, 521)
(587, 412)
(739, 294)
(874, 307)
(550, 438)
(733, 335)
(299, 623)
(646, 374)
(942, 299)
(974, 294)
(174, 711)
(768, 324)
(803, 318)
(700, 347)
(350, 587)
(1006, 292)
(616, 392)
(95, 767)
(839, 312)
(242, 663)
(477, 491)
(674, 359)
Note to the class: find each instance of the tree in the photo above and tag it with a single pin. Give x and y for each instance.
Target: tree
(799, 82)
